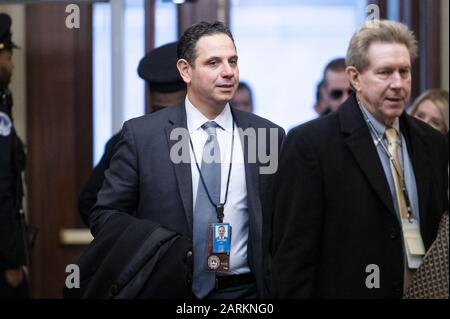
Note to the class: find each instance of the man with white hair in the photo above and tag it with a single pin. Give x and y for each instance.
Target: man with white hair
(360, 193)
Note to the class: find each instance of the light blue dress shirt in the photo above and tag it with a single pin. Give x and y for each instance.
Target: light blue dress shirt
(405, 162)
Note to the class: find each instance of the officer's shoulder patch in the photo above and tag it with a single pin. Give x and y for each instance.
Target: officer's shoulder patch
(5, 124)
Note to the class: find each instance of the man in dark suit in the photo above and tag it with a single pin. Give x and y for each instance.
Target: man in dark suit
(359, 194)
(167, 88)
(188, 184)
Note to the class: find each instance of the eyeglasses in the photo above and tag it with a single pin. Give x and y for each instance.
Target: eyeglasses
(337, 94)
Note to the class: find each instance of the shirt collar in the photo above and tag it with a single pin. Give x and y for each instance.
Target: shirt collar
(195, 119)
(380, 128)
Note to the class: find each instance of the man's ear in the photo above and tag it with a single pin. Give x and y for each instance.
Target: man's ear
(185, 70)
(353, 76)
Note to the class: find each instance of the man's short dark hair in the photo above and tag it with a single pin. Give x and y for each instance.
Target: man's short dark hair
(188, 41)
(336, 65)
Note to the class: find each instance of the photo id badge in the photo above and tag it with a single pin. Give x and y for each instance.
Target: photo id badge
(414, 247)
(219, 246)
(221, 238)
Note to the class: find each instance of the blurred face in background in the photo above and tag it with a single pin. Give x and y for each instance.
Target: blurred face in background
(430, 113)
(242, 100)
(6, 68)
(337, 89)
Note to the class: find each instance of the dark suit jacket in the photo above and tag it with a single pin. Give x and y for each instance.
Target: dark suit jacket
(132, 259)
(12, 163)
(334, 214)
(88, 195)
(142, 180)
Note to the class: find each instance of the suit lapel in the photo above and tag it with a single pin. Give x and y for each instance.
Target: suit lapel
(360, 143)
(182, 170)
(251, 169)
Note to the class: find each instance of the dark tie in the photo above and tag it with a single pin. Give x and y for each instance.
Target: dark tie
(205, 213)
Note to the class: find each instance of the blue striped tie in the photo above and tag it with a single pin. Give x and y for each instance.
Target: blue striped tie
(205, 213)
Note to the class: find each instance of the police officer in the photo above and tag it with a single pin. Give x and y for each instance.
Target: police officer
(167, 88)
(13, 281)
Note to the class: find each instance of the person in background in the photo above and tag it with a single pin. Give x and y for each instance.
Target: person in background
(159, 70)
(336, 85)
(432, 108)
(431, 279)
(13, 281)
(243, 98)
(320, 105)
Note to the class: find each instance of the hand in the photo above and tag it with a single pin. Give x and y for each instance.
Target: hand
(14, 277)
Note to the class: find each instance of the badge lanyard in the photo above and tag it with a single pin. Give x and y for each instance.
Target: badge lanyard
(219, 206)
(394, 163)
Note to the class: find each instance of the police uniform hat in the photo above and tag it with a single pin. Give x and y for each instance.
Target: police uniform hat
(159, 69)
(5, 32)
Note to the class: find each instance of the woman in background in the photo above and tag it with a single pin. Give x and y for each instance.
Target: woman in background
(432, 108)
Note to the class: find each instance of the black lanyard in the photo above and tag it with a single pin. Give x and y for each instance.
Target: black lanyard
(374, 132)
(219, 206)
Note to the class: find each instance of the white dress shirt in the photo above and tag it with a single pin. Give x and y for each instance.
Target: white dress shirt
(235, 210)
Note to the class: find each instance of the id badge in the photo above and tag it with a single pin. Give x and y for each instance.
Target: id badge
(219, 246)
(415, 250)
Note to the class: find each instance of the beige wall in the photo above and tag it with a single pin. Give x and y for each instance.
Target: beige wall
(445, 35)
(18, 83)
